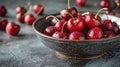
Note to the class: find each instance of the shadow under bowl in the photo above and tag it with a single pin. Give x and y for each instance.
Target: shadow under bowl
(76, 49)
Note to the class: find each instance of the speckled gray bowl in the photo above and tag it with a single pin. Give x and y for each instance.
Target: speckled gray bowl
(76, 49)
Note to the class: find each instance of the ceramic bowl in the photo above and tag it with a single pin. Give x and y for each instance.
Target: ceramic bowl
(76, 49)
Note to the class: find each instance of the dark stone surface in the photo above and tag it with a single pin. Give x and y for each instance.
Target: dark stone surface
(25, 50)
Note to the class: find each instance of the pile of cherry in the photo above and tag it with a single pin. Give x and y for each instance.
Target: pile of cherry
(75, 26)
(22, 15)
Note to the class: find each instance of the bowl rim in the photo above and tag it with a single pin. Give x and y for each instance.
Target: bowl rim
(67, 40)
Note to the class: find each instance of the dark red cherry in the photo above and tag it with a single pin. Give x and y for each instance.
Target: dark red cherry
(20, 17)
(107, 25)
(95, 33)
(91, 21)
(75, 24)
(29, 19)
(3, 24)
(59, 35)
(76, 36)
(21, 10)
(61, 25)
(108, 34)
(3, 11)
(12, 29)
(81, 2)
(73, 11)
(49, 30)
(105, 4)
(38, 9)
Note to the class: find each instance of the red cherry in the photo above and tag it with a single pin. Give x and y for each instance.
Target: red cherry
(20, 17)
(95, 33)
(29, 19)
(59, 26)
(81, 2)
(75, 24)
(105, 4)
(108, 34)
(3, 24)
(59, 35)
(12, 29)
(107, 25)
(91, 21)
(49, 30)
(21, 10)
(3, 10)
(76, 36)
(73, 11)
(38, 9)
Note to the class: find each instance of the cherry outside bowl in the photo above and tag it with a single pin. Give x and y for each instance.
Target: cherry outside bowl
(76, 49)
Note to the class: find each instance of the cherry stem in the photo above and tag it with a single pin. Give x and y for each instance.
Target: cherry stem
(68, 14)
(68, 4)
(99, 12)
(86, 13)
(63, 27)
(53, 17)
(30, 8)
(118, 5)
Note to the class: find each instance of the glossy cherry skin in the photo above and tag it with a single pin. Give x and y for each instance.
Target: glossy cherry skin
(75, 24)
(81, 2)
(3, 24)
(29, 19)
(12, 29)
(60, 35)
(38, 9)
(95, 33)
(105, 4)
(20, 17)
(21, 10)
(108, 34)
(76, 36)
(3, 11)
(107, 25)
(61, 25)
(91, 21)
(49, 30)
(73, 11)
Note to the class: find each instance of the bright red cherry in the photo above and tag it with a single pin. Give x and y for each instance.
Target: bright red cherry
(59, 35)
(76, 36)
(72, 11)
(81, 2)
(75, 24)
(95, 33)
(12, 29)
(29, 19)
(21, 10)
(38, 9)
(3, 24)
(3, 11)
(91, 21)
(49, 30)
(20, 17)
(107, 25)
(105, 4)
(108, 34)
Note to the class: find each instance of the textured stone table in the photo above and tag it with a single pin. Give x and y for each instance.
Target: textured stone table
(26, 50)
